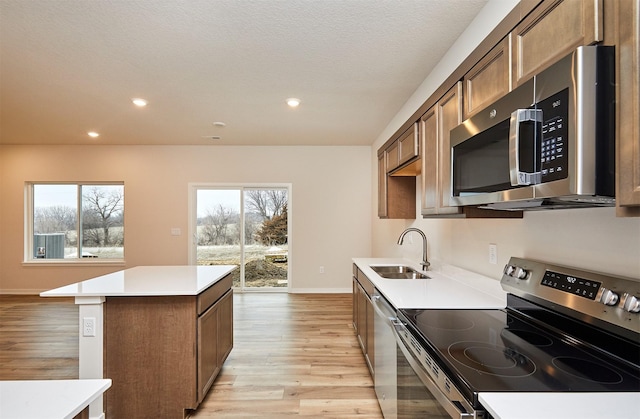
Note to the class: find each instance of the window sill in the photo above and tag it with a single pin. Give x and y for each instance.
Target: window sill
(74, 262)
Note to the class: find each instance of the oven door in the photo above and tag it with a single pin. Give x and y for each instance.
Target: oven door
(418, 394)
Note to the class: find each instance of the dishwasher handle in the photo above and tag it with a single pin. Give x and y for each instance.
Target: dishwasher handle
(383, 309)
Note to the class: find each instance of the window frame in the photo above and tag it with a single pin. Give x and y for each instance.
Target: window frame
(29, 206)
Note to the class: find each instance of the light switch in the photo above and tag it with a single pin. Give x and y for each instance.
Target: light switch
(176, 231)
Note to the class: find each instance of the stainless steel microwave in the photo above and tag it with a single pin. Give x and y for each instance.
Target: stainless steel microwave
(549, 143)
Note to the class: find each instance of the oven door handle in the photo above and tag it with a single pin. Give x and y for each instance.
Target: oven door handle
(453, 408)
(516, 147)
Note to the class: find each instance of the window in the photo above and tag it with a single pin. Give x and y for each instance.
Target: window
(75, 221)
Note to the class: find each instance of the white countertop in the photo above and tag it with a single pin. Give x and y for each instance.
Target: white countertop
(562, 405)
(146, 281)
(449, 287)
(48, 399)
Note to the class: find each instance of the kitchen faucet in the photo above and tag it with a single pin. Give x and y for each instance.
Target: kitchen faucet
(425, 263)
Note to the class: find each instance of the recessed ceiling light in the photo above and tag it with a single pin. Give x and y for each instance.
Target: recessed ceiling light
(219, 124)
(93, 134)
(212, 137)
(293, 102)
(139, 102)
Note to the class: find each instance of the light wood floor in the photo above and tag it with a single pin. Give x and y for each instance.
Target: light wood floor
(293, 355)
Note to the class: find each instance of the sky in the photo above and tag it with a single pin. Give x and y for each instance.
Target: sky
(47, 195)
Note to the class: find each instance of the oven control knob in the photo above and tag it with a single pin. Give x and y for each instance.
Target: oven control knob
(609, 297)
(631, 303)
(520, 273)
(508, 270)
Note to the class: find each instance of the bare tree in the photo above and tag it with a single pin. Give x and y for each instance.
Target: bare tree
(216, 223)
(266, 202)
(277, 200)
(102, 210)
(258, 202)
(54, 219)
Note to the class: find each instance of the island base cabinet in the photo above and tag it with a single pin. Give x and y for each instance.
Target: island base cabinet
(215, 340)
(163, 353)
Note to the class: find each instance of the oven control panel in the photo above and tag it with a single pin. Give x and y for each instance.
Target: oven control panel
(573, 285)
(605, 297)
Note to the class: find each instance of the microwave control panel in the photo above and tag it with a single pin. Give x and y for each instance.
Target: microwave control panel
(553, 147)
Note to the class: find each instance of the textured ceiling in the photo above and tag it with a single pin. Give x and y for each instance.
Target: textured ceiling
(68, 67)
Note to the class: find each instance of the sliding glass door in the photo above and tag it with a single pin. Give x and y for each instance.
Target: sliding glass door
(246, 226)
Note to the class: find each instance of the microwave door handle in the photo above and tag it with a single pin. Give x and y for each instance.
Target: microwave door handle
(518, 117)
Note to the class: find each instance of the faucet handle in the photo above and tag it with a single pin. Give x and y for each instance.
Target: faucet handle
(425, 265)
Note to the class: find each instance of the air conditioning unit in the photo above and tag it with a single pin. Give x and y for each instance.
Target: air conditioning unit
(48, 246)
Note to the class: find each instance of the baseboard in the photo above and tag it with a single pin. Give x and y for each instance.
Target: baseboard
(320, 290)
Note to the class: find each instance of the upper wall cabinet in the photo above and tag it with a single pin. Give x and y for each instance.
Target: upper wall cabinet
(396, 194)
(552, 31)
(408, 147)
(488, 80)
(398, 166)
(436, 159)
(628, 140)
(403, 152)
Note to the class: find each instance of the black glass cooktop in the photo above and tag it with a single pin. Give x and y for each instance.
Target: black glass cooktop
(497, 351)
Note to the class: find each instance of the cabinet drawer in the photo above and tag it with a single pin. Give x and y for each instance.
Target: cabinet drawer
(213, 293)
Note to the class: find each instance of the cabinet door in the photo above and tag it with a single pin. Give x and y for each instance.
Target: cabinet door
(436, 155)
(429, 144)
(408, 147)
(628, 146)
(362, 319)
(354, 298)
(488, 80)
(207, 350)
(370, 356)
(225, 327)
(449, 117)
(382, 186)
(552, 31)
(393, 159)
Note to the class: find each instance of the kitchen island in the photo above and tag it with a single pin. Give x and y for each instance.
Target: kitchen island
(49, 399)
(161, 333)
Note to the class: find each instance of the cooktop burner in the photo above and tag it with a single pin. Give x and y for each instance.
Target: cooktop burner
(492, 359)
(495, 350)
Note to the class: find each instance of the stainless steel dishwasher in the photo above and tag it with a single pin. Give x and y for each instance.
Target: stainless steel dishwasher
(385, 358)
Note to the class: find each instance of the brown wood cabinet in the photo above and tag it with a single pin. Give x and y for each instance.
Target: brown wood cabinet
(408, 146)
(627, 23)
(488, 80)
(550, 32)
(215, 340)
(436, 159)
(163, 352)
(363, 315)
(396, 194)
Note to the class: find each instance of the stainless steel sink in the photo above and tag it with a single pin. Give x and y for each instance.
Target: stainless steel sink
(397, 272)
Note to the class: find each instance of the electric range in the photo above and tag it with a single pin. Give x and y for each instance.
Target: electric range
(563, 330)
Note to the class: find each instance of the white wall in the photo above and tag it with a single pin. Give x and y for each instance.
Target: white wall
(329, 214)
(592, 239)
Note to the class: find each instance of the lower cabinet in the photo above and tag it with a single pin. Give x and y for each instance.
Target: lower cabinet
(215, 340)
(363, 315)
(163, 353)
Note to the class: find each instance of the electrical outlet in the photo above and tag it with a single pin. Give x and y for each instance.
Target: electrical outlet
(89, 326)
(322, 269)
(493, 253)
